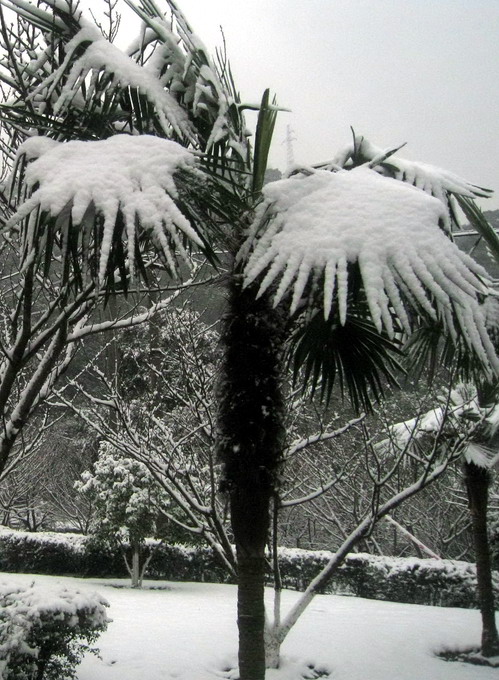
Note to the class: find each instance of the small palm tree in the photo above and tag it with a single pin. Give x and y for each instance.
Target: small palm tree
(139, 159)
(470, 416)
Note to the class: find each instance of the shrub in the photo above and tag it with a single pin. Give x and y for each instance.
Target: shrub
(44, 634)
(449, 583)
(186, 563)
(446, 583)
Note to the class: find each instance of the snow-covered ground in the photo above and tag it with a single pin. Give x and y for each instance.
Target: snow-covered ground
(187, 631)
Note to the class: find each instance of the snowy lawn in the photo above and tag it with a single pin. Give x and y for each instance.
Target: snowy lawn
(187, 631)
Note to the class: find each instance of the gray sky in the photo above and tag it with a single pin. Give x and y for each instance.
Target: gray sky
(425, 72)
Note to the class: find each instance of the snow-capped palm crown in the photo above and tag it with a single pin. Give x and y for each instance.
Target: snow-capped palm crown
(139, 113)
(366, 211)
(311, 227)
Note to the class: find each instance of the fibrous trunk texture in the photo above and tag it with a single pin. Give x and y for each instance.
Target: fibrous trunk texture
(477, 485)
(250, 442)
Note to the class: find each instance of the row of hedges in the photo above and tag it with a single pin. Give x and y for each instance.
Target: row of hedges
(445, 583)
(411, 580)
(76, 555)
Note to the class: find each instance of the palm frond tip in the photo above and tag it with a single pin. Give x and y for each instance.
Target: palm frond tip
(126, 181)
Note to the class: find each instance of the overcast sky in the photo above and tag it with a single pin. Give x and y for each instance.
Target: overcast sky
(425, 72)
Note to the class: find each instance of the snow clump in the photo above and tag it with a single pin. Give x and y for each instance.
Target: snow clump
(311, 227)
(124, 173)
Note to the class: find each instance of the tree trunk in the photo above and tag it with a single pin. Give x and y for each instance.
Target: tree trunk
(477, 486)
(250, 443)
(272, 648)
(251, 616)
(135, 568)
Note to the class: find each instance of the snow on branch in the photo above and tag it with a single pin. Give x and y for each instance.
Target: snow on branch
(318, 437)
(313, 226)
(124, 174)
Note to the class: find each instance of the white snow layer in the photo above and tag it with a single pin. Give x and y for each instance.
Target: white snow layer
(317, 224)
(462, 415)
(101, 55)
(131, 174)
(188, 632)
(32, 601)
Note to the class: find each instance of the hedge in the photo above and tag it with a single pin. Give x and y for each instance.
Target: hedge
(445, 583)
(449, 583)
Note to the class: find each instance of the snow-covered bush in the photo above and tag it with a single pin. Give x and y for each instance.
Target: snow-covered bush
(45, 633)
(127, 501)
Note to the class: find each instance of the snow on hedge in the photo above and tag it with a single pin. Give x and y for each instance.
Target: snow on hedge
(75, 542)
(400, 579)
(403, 579)
(34, 604)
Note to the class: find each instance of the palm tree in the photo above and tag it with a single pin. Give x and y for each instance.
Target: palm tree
(140, 159)
(469, 420)
(478, 479)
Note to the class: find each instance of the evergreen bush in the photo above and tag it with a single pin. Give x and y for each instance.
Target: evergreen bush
(445, 583)
(41, 552)
(45, 633)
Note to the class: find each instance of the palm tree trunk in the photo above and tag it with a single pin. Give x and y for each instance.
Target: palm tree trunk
(477, 486)
(250, 443)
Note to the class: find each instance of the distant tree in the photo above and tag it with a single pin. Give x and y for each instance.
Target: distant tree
(126, 504)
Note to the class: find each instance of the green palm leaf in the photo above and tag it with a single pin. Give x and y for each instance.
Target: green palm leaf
(324, 352)
(263, 139)
(479, 222)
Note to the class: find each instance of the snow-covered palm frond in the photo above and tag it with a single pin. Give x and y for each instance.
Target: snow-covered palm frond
(430, 178)
(182, 64)
(93, 69)
(311, 228)
(481, 455)
(127, 181)
(164, 84)
(89, 53)
(460, 416)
